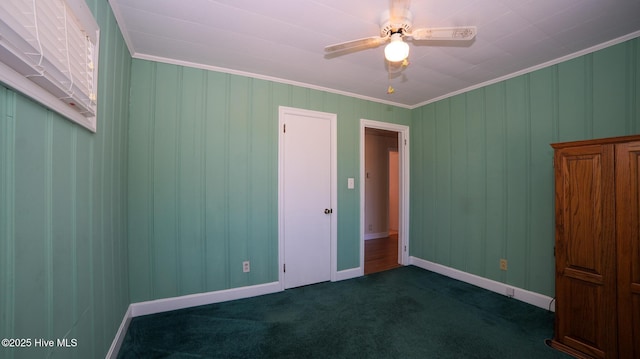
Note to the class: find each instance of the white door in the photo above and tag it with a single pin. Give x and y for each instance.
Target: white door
(306, 196)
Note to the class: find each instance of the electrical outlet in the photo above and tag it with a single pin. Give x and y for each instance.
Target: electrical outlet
(503, 264)
(246, 266)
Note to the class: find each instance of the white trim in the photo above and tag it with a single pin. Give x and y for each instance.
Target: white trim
(349, 274)
(45, 97)
(587, 51)
(194, 300)
(368, 236)
(116, 344)
(137, 55)
(32, 90)
(185, 301)
(263, 77)
(403, 183)
(533, 298)
(333, 119)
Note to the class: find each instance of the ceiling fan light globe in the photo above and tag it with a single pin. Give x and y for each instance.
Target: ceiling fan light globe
(396, 51)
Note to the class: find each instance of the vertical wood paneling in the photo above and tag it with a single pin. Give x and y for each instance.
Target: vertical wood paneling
(348, 166)
(64, 255)
(165, 175)
(517, 177)
(298, 97)
(500, 144)
(30, 221)
(496, 139)
(140, 182)
(63, 226)
(263, 194)
(610, 78)
(239, 172)
(543, 97)
(422, 164)
(476, 201)
(223, 152)
(573, 94)
(83, 249)
(479, 182)
(191, 173)
(216, 179)
(7, 203)
(431, 183)
(442, 172)
(416, 207)
(459, 243)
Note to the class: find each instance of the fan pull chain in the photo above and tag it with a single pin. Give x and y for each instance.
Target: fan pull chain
(390, 89)
(404, 65)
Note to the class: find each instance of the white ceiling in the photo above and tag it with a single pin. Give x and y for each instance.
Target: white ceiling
(284, 40)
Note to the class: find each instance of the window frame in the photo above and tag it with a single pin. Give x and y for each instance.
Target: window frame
(22, 84)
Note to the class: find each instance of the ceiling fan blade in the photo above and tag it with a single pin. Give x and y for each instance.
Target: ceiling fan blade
(461, 33)
(367, 42)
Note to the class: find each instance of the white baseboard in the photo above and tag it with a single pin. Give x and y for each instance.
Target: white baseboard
(375, 235)
(194, 300)
(119, 338)
(348, 274)
(533, 298)
(185, 301)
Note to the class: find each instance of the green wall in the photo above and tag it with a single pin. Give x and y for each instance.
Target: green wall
(179, 185)
(203, 177)
(63, 214)
(203, 170)
(482, 168)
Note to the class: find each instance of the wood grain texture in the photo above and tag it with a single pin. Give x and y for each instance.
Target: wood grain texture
(585, 249)
(597, 247)
(381, 254)
(627, 224)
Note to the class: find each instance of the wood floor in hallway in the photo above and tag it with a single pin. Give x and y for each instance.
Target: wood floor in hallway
(381, 254)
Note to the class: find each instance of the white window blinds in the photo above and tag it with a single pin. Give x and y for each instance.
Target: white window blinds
(52, 44)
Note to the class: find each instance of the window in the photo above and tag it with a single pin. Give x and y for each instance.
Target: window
(49, 52)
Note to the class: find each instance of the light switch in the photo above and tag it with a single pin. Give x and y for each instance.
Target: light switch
(351, 184)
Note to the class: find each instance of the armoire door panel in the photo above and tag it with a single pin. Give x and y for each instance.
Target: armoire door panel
(585, 301)
(583, 275)
(583, 210)
(628, 232)
(586, 249)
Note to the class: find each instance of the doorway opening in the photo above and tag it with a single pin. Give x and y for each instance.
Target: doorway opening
(384, 196)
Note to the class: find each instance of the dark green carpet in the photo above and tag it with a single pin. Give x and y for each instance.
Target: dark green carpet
(403, 313)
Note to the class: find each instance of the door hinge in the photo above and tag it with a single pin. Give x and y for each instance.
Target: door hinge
(284, 268)
(284, 128)
(405, 141)
(405, 248)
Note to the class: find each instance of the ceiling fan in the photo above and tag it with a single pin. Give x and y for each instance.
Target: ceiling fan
(396, 25)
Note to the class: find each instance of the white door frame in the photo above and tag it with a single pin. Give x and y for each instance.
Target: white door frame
(403, 183)
(282, 111)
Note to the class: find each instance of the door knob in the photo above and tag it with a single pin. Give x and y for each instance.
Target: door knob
(327, 211)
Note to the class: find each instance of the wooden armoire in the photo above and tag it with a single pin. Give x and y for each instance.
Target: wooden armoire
(598, 247)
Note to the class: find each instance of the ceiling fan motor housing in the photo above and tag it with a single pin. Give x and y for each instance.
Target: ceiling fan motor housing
(399, 24)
